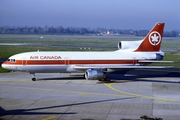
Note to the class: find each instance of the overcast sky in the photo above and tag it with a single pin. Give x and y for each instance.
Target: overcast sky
(121, 14)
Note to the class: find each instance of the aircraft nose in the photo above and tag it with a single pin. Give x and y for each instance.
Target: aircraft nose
(7, 66)
(3, 65)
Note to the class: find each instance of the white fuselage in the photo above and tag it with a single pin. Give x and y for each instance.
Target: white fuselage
(62, 62)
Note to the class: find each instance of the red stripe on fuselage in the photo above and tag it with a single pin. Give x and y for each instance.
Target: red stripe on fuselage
(70, 62)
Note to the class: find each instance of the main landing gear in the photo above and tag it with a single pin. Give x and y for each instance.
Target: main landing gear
(33, 76)
(105, 80)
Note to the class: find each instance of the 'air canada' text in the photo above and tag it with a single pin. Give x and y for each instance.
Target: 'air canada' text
(46, 57)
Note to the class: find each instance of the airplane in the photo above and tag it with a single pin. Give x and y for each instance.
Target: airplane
(94, 65)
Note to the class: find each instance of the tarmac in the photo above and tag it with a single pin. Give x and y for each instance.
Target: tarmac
(54, 96)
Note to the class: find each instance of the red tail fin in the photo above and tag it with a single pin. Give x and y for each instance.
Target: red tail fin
(152, 41)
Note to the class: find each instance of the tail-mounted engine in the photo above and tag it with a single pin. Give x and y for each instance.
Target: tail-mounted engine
(123, 45)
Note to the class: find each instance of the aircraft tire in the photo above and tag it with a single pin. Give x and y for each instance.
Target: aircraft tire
(33, 79)
(107, 79)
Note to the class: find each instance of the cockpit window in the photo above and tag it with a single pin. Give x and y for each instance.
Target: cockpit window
(11, 60)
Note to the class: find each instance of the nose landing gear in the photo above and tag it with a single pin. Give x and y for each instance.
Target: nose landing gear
(33, 76)
(33, 79)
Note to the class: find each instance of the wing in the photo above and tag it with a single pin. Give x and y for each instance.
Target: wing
(154, 61)
(115, 67)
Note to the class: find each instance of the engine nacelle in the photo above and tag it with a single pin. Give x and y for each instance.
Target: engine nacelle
(129, 44)
(94, 75)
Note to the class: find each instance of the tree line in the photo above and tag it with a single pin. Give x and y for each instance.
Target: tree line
(78, 31)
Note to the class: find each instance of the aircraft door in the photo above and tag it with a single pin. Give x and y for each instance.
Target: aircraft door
(66, 61)
(24, 61)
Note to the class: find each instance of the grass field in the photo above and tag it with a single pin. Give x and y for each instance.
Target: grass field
(101, 41)
(66, 39)
(168, 42)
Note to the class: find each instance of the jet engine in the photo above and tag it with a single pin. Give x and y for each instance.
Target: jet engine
(94, 75)
(123, 45)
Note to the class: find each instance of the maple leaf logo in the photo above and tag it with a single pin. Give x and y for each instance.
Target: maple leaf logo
(154, 38)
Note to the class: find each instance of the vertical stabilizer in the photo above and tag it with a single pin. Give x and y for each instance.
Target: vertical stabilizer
(152, 41)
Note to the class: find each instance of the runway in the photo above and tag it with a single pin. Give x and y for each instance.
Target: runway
(68, 96)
